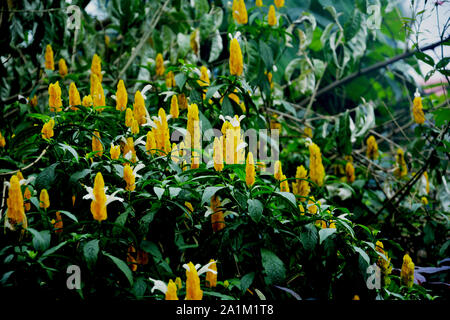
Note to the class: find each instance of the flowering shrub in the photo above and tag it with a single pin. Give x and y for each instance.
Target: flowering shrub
(212, 140)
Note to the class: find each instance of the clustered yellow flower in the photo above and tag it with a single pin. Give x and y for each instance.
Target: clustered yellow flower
(372, 148)
(233, 141)
(301, 186)
(54, 97)
(350, 172)
(74, 96)
(87, 101)
(279, 3)
(419, 116)
(114, 152)
(16, 212)
(236, 60)
(401, 170)
(217, 218)
(139, 111)
(129, 177)
(239, 11)
(384, 264)
(97, 146)
(272, 18)
(47, 129)
(174, 110)
(195, 41)
(170, 80)
(218, 153)
(407, 271)
(161, 132)
(159, 65)
(49, 62)
(98, 204)
(193, 291)
(316, 169)
(2, 141)
(250, 170)
(121, 96)
(44, 199)
(62, 67)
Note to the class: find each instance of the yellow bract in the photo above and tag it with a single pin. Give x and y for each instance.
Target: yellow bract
(129, 177)
(250, 170)
(74, 96)
(171, 293)
(239, 11)
(96, 67)
(218, 153)
(159, 65)
(272, 18)
(217, 219)
(236, 60)
(279, 3)
(316, 169)
(193, 291)
(139, 112)
(114, 152)
(54, 97)
(97, 146)
(129, 117)
(2, 141)
(174, 111)
(47, 129)
(44, 199)
(419, 116)
(150, 145)
(259, 3)
(211, 277)
(278, 171)
(170, 80)
(62, 67)
(372, 148)
(16, 212)
(49, 62)
(284, 184)
(301, 186)
(87, 101)
(121, 96)
(407, 272)
(350, 172)
(401, 170)
(98, 205)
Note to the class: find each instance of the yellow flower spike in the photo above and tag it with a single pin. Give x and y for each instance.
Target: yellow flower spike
(193, 291)
(19, 175)
(355, 297)
(211, 278)
(159, 65)
(97, 144)
(239, 11)
(170, 80)
(99, 97)
(308, 132)
(134, 127)
(27, 197)
(62, 67)
(129, 117)
(301, 187)
(58, 225)
(427, 185)
(15, 212)
(278, 172)
(121, 96)
(162, 134)
(401, 169)
(272, 18)
(49, 62)
(33, 101)
(195, 42)
(2, 141)
(44, 200)
(96, 67)
(312, 207)
(372, 148)
(385, 265)
(302, 210)
(250, 170)
(94, 80)
(279, 3)
(204, 77)
(284, 184)
(316, 170)
(114, 151)
(259, 3)
(73, 200)
(150, 145)
(98, 205)
(218, 153)
(178, 281)
(192, 118)
(54, 97)
(424, 201)
(139, 108)
(350, 172)
(129, 177)
(236, 60)
(87, 101)
(47, 129)
(217, 219)
(269, 78)
(182, 102)
(175, 153)
(74, 96)
(129, 147)
(417, 110)
(174, 111)
(171, 293)
(407, 272)
(195, 163)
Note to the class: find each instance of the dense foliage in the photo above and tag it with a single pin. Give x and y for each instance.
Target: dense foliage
(103, 121)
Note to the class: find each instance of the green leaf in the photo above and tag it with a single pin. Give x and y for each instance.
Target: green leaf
(343, 140)
(246, 281)
(424, 57)
(443, 63)
(441, 116)
(216, 47)
(79, 175)
(41, 239)
(227, 107)
(66, 147)
(69, 215)
(54, 249)
(174, 192)
(290, 197)
(353, 25)
(122, 266)
(209, 192)
(266, 54)
(255, 209)
(120, 221)
(309, 237)
(159, 192)
(90, 252)
(46, 178)
(363, 254)
(212, 90)
(139, 287)
(273, 267)
(151, 248)
(325, 233)
(201, 8)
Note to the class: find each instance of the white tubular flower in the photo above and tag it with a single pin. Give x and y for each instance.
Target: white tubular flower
(203, 269)
(109, 198)
(158, 285)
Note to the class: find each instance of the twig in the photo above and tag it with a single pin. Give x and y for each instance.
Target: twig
(28, 166)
